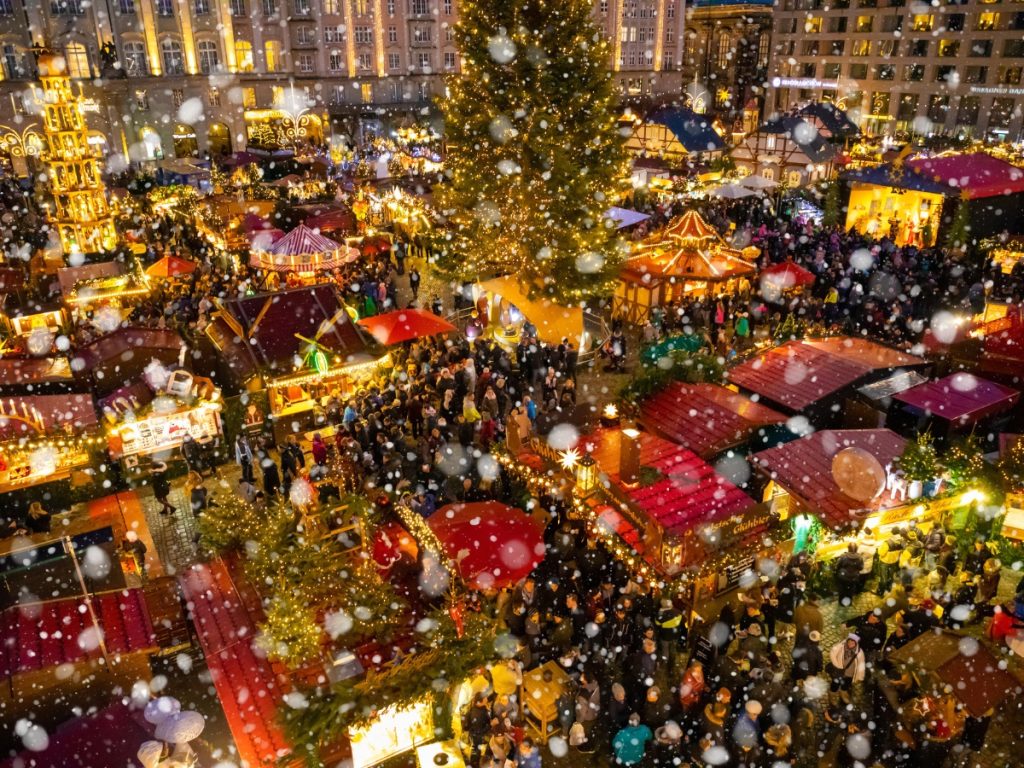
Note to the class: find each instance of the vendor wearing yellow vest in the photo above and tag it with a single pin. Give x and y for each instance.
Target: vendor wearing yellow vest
(888, 555)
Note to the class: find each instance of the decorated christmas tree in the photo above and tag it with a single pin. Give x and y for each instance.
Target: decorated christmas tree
(535, 156)
(919, 460)
(1011, 466)
(964, 461)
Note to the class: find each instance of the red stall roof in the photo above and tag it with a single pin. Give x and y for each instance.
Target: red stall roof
(705, 418)
(960, 397)
(799, 373)
(975, 175)
(688, 493)
(46, 635)
(45, 414)
(804, 468)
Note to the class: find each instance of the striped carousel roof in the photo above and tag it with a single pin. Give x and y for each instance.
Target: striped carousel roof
(688, 248)
(302, 250)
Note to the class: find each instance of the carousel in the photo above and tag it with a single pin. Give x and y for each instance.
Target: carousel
(303, 252)
(687, 259)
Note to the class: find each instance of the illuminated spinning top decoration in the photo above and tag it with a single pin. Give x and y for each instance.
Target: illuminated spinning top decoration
(858, 474)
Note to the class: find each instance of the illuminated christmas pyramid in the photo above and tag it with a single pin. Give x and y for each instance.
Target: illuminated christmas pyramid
(81, 214)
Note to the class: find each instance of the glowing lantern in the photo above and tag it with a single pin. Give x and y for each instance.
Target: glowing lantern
(586, 474)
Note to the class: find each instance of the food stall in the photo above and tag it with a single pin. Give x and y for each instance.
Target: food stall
(143, 421)
(45, 438)
(846, 480)
(688, 258)
(106, 283)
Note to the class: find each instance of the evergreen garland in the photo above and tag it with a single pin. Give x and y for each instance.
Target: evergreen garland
(1011, 466)
(535, 156)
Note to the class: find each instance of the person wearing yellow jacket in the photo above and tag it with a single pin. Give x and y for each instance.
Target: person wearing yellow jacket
(889, 554)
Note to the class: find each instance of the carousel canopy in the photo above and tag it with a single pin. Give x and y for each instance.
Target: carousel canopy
(689, 249)
(303, 250)
(554, 322)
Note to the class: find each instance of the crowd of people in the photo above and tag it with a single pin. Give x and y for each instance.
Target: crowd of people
(745, 681)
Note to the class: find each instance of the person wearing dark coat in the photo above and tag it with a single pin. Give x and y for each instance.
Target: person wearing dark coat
(162, 488)
(271, 479)
(848, 573)
(807, 657)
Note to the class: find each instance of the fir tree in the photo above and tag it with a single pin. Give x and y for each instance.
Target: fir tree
(535, 157)
(919, 460)
(958, 236)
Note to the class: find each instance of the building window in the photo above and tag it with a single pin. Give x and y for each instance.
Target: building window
(243, 56)
(177, 96)
(392, 35)
(1009, 76)
(174, 62)
(864, 23)
(838, 47)
(237, 8)
(861, 48)
(364, 35)
(880, 104)
(423, 90)
(449, 33)
(202, 7)
(724, 50)
(976, 75)
(949, 48)
(938, 107)
(366, 93)
(424, 62)
(813, 25)
(391, 7)
(269, 7)
(944, 74)
(209, 57)
(141, 101)
(833, 70)
(164, 7)
(982, 48)
(272, 54)
(277, 95)
(303, 7)
(394, 61)
(449, 60)
(421, 34)
(213, 97)
(857, 72)
(77, 58)
(305, 36)
(419, 7)
(914, 73)
(670, 11)
(332, 7)
(335, 62)
(334, 34)
(919, 47)
(923, 22)
(126, 7)
(907, 109)
(365, 61)
(67, 8)
(338, 94)
(396, 91)
(967, 111)
(1002, 112)
(810, 48)
(248, 98)
(362, 7)
(887, 72)
(955, 22)
(135, 59)
(667, 62)
(447, 6)
(306, 62)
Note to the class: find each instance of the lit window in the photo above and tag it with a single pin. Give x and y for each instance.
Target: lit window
(135, 59)
(923, 22)
(272, 53)
(248, 98)
(243, 56)
(77, 58)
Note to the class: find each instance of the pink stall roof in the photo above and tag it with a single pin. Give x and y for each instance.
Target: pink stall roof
(960, 397)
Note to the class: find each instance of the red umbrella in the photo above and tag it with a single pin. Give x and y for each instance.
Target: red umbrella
(493, 544)
(171, 266)
(787, 275)
(405, 324)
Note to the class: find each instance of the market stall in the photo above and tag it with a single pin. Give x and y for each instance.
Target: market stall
(779, 280)
(504, 308)
(688, 258)
(958, 401)
(170, 268)
(813, 374)
(706, 418)
(33, 319)
(404, 325)
(45, 438)
(156, 418)
(125, 354)
(302, 251)
(106, 283)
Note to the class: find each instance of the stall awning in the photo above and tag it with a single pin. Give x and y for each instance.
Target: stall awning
(32, 371)
(554, 322)
(960, 397)
(891, 385)
(804, 468)
(978, 679)
(404, 325)
(69, 277)
(625, 218)
(705, 418)
(687, 492)
(799, 373)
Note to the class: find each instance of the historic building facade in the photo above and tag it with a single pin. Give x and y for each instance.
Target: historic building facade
(951, 68)
(181, 78)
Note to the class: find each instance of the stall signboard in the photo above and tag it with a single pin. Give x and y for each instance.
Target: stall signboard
(1013, 523)
(161, 432)
(392, 732)
(23, 469)
(722, 533)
